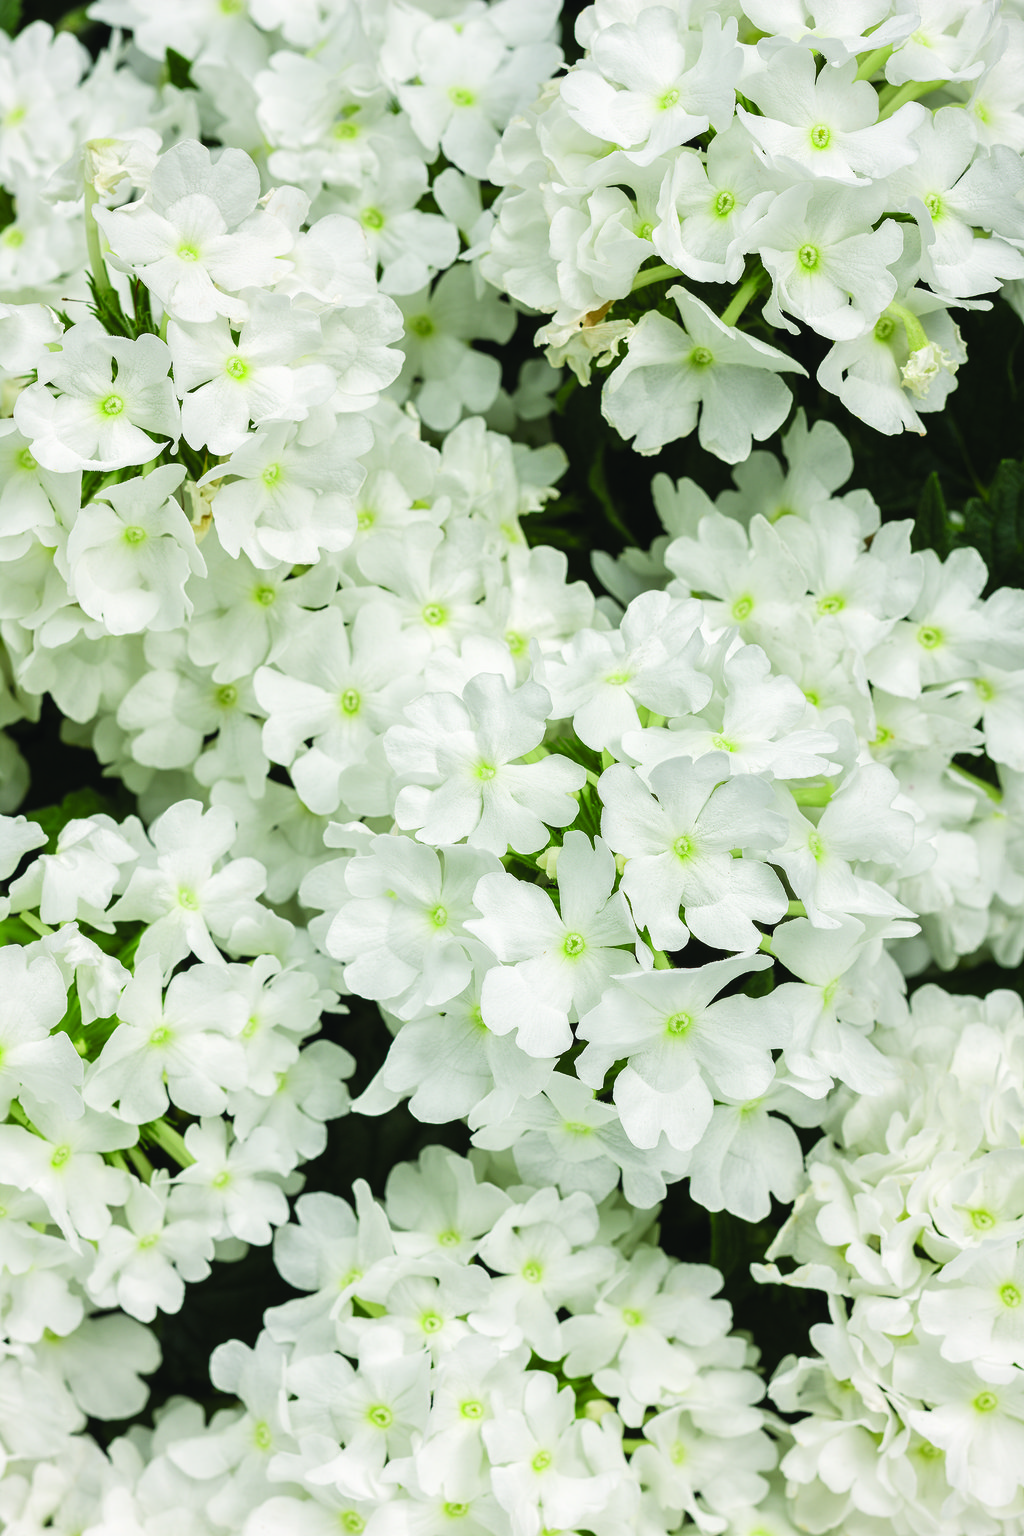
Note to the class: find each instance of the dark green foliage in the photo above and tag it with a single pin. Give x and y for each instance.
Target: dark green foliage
(178, 71)
(10, 16)
(992, 523)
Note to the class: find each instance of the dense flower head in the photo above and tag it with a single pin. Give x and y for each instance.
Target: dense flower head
(154, 1114)
(469, 1353)
(797, 152)
(636, 879)
(910, 1218)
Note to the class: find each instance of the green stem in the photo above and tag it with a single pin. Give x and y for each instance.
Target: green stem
(170, 1141)
(33, 922)
(912, 91)
(141, 1163)
(796, 909)
(994, 794)
(742, 297)
(92, 240)
(874, 62)
(660, 274)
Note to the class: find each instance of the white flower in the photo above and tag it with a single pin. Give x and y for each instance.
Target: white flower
(463, 751)
(97, 421)
(558, 963)
(403, 935)
(830, 267)
(176, 1047)
(823, 124)
(142, 1266)
(289, 501)
(680, 1047)
(673, 89)
(128, 562)
(651, 660)
(34, 1053)
(678, 850)
(669, 373)
(224, 384)
(181, 896)
(197, 233)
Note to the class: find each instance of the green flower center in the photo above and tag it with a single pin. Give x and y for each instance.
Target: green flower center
(421, 325)
(434, 614)
(25, 460)
(985, 1402)
(221, 1180)
(236, 367)
(187, 252)
(227, 696)
(160, 1035)
(449, 1238)
(884, 328)
(350, 701)
(574, 945)
(821, 136)
(541, 1461)
(455, 1511)
(352, 1522)
(381, 1416)
(700, 357)
(929, 637)
(933, 202)
(271, 475)
(472, 1408)
(365, 520)
(373, 218)
(113, 405)
(724, 204)
(439, 917)
(1009, 1295)
(683, 847)
(678, 1024)
(631, 1317)
(669, 99)
(188, 899)
(532, 1272)
(261, 1435)
(265, 596)
(460, 97)
(742, 608)
(833, 604)
(722, 744)
(982, 1221)
(808, 256)
(431, 1322)
(817, 846)
(485, 771)
(345, 130)
(60, 1156)
(984, 690)
(135, 535)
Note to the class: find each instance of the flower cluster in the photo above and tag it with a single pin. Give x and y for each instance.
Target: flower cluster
(152, 1114)
(900, 649)
(788, 152)
(911, 1415)
(494, 1362)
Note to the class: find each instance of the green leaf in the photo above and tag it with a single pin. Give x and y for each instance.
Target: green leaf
(931, 525)
(1006, 508)
(179, 71)
(10, 16)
